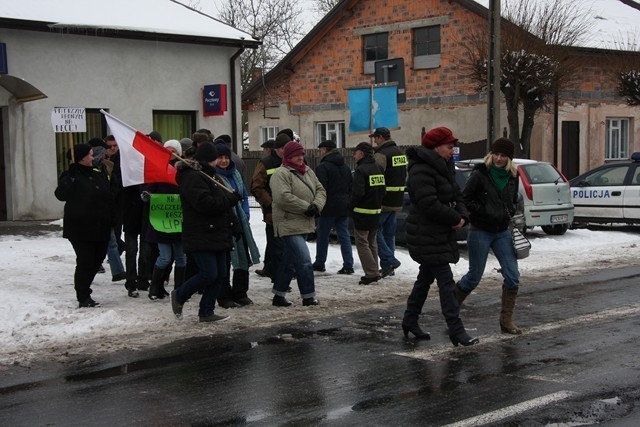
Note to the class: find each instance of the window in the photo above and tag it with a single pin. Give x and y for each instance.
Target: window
(174, 124)
(96, 128)
(617, 139)
(267, 133)
(426, 47)
(331, 130)
(608, 176)
(375, 49)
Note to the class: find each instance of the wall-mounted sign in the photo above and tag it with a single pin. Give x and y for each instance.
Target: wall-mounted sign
(214, 100)
(66, 119)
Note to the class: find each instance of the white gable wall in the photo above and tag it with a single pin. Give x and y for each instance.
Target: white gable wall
(129, 78)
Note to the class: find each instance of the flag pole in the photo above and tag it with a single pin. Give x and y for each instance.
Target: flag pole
(188, 163)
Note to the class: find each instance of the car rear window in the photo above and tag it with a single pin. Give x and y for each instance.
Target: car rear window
(541, 173)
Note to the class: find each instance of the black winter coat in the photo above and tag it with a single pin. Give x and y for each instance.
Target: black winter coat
(206, 209)
(367, 192)
(335, 177)
(88, 211)
(490, 209)
(395, 174)
(436, 206)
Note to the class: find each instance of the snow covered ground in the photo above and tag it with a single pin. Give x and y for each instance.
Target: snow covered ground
(41, 321)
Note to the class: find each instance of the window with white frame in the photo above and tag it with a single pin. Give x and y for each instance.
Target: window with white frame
(331, 130)
(267, 133)
(617, 139)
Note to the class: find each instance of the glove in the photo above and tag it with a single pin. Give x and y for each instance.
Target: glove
(145, 196)
(311, 211)
(234, 197)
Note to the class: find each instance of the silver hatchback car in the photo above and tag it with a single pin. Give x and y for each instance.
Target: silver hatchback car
(546, 195)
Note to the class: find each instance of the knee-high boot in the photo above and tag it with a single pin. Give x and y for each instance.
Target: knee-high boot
(157, 284)
(460, 294)
(178, 277)
(506, 315)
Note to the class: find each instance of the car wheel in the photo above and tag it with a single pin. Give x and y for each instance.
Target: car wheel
(555, 230)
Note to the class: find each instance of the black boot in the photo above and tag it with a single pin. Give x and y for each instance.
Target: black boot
(178, 277)
(157, 284)
(416, 331)
(225, 298)
(240, 287)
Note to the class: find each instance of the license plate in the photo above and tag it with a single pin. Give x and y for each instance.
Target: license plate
(559, 218)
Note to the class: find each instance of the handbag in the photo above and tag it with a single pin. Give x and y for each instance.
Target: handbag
(521, 244)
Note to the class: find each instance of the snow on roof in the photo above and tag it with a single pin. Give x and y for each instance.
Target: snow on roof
(615, 24)
(148, 16)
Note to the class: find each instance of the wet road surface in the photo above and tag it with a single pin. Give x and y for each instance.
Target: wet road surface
(576, 364)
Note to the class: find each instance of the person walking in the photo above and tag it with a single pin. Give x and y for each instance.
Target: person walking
(335, 177)
(88, 218)
(206, 230)
(367, 192)
(298, 197)
(394, 163)
(437, 211)
(491, 194)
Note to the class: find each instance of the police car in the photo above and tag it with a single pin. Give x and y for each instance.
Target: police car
(609, 193)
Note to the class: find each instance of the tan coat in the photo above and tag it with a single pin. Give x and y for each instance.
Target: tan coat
(292, 194)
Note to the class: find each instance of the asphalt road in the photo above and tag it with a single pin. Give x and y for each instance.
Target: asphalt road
(575, 364)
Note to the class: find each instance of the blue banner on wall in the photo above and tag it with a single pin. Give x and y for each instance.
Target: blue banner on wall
(366, 114)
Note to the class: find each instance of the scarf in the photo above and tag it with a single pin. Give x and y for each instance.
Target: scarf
(302, 168)
(500, 176)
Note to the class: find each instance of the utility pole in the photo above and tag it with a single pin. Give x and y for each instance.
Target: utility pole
(493, 74)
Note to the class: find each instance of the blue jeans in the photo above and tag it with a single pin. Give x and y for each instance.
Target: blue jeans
(165, 253)
(478, 244)
(387, 239)
(210, 265)
(296, 259)
(113, 255)
(323, 230)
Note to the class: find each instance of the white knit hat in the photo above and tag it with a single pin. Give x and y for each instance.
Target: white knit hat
(175, 144)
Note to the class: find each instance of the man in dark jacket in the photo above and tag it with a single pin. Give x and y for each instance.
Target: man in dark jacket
(367, 192)
(335, 177)
(394, 163)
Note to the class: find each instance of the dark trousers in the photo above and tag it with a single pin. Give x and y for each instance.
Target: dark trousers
(89, 256)
(236, 288)
(210, 265)
(270, 269)
(448, 303)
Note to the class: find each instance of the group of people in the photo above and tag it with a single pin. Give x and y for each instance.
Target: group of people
(216, 239)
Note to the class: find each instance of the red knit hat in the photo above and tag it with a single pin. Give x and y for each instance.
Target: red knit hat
(438, 136)
(291, 149)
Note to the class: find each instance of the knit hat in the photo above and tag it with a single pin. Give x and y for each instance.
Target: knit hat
(291, 149)
(438, 136)
(155, 135)
(268, 144)
(97, 142)
(206, 152)
(380, 132)
(281, 140)
(365, 147)
(80, 151)
(287, 132)
(224, 138)
(175, 144)
(504, 146)
(330, 144)
(222, 148)
(186, 143)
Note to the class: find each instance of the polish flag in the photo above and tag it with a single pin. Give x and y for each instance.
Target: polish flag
(142, 160)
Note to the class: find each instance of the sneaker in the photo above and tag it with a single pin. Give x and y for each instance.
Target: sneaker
(227, 303)
(213, 318)
(118, 277)
(243, 301)
(345, 270)
(101, 269)
(384, 272)
(310, 301)
(279, 301)
(318, 268)
(89, 302)
(133, 294)
(262, 273)
(397, 265)
(364, 280)
(175, 306)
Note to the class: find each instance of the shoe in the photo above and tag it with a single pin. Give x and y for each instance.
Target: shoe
(261, 273)
(142, 284)
(175, 306)
(318, 268)
(416, 331)
(364, 280)
(133, 294)
(243, 301)
(279, 301)
(384, 272)
(397, 265)
(310, 301)
(101, 269)
(227, 303)
(213, 318)
(345, 270)
(118, 277)
(88, 303)
(464, 339)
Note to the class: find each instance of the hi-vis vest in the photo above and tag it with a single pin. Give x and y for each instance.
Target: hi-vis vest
(395, 174)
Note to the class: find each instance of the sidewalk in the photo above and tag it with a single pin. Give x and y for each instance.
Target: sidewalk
(28, 228)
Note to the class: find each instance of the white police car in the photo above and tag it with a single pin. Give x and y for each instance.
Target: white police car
(609, 193)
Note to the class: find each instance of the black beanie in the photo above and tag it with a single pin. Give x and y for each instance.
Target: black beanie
(225, 138)
(206, 152)
(281, 140)
(97, 142)
(80, 151)
(287, 132)
(222, 148)
(504, 146)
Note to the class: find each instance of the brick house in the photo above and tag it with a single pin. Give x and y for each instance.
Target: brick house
(307, 92)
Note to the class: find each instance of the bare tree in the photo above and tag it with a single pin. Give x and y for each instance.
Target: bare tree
(277, 23)
(534, 59)
(325, 6)
(626, 67)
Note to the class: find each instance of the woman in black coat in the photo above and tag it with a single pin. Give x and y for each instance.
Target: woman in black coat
(206, 230)
(88, 218)
(436, 212)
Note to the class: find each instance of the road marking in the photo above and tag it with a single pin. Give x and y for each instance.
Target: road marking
(437, 352)
(509, 411)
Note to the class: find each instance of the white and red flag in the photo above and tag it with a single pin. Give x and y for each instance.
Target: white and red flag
(142, 160)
